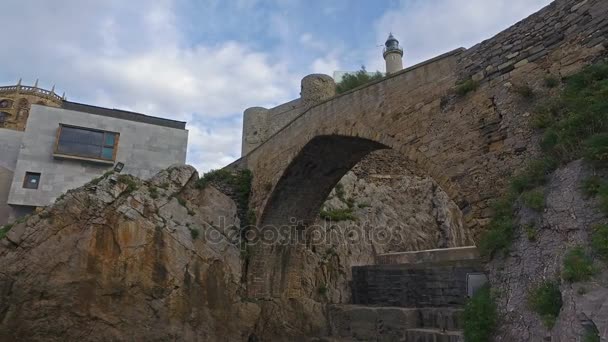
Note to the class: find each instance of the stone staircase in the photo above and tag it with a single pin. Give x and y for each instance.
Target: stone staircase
(408, 297)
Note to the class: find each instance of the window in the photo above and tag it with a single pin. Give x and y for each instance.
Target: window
(31, 180)
(6, 103)
(86, 143)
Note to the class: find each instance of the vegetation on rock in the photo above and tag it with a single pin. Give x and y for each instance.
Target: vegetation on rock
(546, 300)
(357, 79)
(575, 125)
(599, 241)
(338, 215)
(480, 316)
(465, 87)
(578, 266)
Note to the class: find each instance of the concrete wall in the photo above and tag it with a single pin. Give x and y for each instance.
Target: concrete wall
(10, 141)
(144, 148)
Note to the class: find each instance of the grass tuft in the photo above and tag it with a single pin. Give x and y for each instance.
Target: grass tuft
(129, 181)
(524, 90)
(480, 316)
(337, 215)
(578, 266)
(599, 241)
(465, 87)
(534, 199)
(546, 300)
(551, 81)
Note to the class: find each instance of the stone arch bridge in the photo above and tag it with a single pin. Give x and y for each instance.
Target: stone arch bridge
(470, 144)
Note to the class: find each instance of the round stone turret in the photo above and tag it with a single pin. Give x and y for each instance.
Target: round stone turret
(317, 88)
(255, 127)
(393, 55)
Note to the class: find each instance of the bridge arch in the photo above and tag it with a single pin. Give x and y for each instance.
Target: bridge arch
(311, 175)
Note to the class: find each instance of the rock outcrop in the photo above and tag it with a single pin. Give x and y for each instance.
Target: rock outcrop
(537, 256)
(122, 259)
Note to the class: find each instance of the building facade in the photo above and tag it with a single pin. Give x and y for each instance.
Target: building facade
(49, 145)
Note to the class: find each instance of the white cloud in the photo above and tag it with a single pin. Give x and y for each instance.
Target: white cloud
(429, 28)
(131, 55)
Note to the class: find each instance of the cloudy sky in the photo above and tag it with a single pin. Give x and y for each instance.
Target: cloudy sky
(205, 61)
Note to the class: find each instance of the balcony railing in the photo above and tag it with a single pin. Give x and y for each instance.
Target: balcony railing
(31, 90)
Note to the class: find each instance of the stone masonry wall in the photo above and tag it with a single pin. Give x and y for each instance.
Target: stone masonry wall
(422, 285)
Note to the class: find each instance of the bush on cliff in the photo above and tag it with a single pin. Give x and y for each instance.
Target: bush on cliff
(546, 300)
(359, 78)
(480, 316)
(578, 266)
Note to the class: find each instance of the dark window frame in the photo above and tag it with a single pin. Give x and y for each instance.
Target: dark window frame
(103, 145)
(29, 175)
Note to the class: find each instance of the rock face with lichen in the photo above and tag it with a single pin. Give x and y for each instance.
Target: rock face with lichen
(119, 259)
(126, 259)
(537, 255)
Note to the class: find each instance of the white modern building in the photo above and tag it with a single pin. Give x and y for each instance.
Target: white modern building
(49, 145)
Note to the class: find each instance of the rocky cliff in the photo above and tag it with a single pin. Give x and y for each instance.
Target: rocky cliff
(123, 259)
(126, 259)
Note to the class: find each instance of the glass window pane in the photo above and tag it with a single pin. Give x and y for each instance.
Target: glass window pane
(32, 180)
(110, 138)
(85, 150)
(108, 153)
(82, 136)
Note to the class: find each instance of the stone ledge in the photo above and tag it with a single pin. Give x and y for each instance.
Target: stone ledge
(427, 256)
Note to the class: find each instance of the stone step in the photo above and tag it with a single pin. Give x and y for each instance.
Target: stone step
(429, 256)
(368, 323)
(440, 318)
(433, 335)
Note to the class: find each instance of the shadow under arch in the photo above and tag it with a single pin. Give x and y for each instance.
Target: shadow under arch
(311, 176)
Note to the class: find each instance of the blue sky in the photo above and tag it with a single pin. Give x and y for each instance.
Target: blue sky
(205, 61)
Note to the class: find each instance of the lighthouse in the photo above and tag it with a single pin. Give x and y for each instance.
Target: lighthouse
(393, 55)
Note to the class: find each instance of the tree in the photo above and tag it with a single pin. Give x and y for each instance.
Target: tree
(361, 77)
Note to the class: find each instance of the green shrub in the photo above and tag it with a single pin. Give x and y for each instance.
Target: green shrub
(534, 175)
(591, 335)
(582, 114)
(194, 233)
(322, 290)
(524, 90)
(578, 266)
(129, 181)
(499, 234)
(153, 192)
(541, 120)
(534, 199)
(182, 202)
(546, 300)
(359, 78)
(465, 87)
(599, 241)
(602, 194)
(238, 180)
(596, 148)
(5, 229)
(337, 215)
(591, 186)
(531, 232)
(551, 81)
(480, 316)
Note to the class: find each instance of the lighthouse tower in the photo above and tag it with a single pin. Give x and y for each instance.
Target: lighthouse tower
(393, 55)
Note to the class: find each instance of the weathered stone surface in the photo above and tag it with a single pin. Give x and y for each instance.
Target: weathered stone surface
(565, 223)
(469, 145)
(81, 270)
